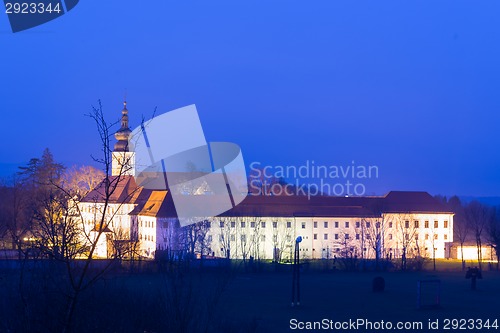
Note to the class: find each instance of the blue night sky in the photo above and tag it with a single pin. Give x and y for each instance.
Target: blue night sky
(412, 87)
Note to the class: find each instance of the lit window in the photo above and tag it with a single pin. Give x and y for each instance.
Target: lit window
(416, 224)
(426, 224)
(426, 236)
(445, 237)
(446, 224)
(436, 224)
(436, 236)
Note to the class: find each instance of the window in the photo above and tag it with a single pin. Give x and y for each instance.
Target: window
(416, 224)
(346, 236)
(436, 236)
(367, 224)
(377, 225)
(262, 238)
(436, 224)
(325, 224)
(446, 224)
(252, 224)
(445, 237)
(357, 236)
(289, 224)
(358, 224)
(390, 236)
(209, 238)
(221, 238)
(221, 224)
(407, 224)
(325, 236)
(315, 224)
(336, 224)
(368, 236)
(416, 237)
(426, 236)
(336, 236)
(315, 236)
(209, 224)
(275, 225)
(243, 225)
(243, 238)
(390, 224)
(233, 238)
(233, 224)
(347, 224)
(426, 224)
(303, 225)
(263, 224)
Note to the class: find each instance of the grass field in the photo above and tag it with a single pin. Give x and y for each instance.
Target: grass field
(235, 300)
(340, 296)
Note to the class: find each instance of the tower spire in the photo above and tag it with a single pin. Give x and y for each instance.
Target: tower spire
(123, 134)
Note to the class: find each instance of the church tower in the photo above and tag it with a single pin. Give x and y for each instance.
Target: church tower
(123, 156)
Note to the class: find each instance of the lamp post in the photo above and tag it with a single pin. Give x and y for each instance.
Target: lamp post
(296, 273)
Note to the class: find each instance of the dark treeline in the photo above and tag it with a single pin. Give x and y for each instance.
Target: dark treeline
(477, 224)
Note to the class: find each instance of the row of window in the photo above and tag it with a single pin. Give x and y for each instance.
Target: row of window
(147, 224)
(368, 236)
(146, 237)
(243, 238)
(416, 224)
(243, 224)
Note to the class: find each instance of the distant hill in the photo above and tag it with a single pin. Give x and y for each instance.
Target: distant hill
(491, 201)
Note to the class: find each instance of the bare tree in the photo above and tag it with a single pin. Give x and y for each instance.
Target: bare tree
(406, 231)
(494, 235)
(461, 229)
(282, 233)
(478, 217)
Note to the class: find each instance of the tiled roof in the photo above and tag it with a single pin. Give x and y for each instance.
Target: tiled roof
(160, 203)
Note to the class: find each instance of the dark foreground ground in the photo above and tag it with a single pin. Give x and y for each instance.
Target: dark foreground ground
(236, 301)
